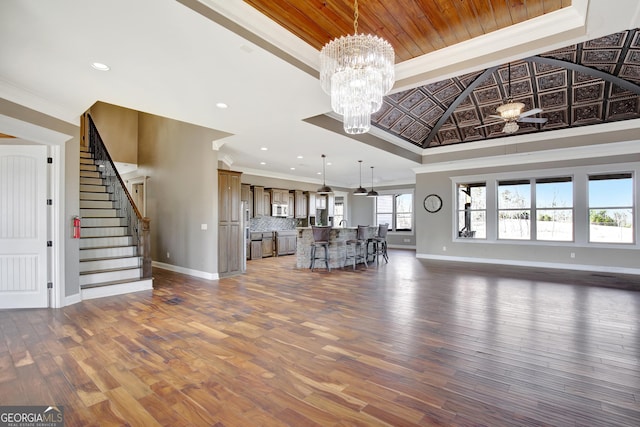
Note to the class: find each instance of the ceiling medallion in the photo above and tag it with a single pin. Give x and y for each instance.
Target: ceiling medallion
(357, 71)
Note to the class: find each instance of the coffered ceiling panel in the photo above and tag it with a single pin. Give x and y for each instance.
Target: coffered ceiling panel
(597, 81)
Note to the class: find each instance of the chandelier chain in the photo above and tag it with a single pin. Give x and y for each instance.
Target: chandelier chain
(355, 17)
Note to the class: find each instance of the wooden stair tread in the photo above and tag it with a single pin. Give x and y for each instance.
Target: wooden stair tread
(114, 282)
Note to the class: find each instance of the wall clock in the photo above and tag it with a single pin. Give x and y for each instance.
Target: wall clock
(432, 203)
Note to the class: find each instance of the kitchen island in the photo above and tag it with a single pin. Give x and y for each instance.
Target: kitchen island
(337, 245)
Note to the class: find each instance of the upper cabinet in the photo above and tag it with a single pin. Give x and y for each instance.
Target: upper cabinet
(300, 202)
(245, 192)
(311, 196)
(292, 205)
(258, 201)
(279, 196)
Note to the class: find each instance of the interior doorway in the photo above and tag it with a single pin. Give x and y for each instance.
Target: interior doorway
(138, 193)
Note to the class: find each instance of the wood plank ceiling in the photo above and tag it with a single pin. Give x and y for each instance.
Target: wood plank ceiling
(413, 28)
(593, 82)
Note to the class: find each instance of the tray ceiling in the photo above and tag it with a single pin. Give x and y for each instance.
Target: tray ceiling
(413, 28)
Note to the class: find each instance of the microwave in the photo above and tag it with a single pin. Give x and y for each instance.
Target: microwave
(279, 210)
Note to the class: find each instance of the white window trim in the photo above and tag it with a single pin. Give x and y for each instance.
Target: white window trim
(580, 176)
(413, 211)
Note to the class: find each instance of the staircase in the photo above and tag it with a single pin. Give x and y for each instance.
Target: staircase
(109, 260)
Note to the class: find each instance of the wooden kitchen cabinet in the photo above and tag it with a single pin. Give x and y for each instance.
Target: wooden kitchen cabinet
(292, 205)
(230, 232)
(258, 201)
(279, 196)
(300, 201)
(256, 249)
(267, 203)
(267, 244)
(286, 242)
(245, 192)
(311, 198)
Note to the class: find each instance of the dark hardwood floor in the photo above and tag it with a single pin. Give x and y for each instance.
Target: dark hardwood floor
(408, 343)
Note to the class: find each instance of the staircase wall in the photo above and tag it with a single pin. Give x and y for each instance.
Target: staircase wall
(182, 192)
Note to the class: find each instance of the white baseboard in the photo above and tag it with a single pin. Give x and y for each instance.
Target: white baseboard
(118, 289)
(190, 272)
(411, 247)
(559, 266)
(73, 299)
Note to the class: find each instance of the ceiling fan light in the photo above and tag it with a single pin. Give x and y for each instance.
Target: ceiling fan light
(510, 110)
(510, 127)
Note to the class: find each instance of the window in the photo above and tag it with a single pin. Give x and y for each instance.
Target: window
(384, 210)
(554, 209)
(611, 208)
(570, 205)
(338, 212)
(395, 210)
(472, 210)
(514, 210)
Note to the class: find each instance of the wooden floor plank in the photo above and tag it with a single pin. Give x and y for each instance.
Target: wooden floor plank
(411, 342)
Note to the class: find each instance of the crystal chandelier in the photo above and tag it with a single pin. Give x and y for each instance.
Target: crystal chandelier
(357, 71)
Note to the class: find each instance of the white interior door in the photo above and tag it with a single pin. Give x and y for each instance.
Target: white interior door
(23, 226)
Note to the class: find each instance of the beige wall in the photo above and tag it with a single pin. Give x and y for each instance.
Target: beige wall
(181, 191)
(435, 230)
(118, 129)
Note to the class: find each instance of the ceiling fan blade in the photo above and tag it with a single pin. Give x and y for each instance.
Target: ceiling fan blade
(487, 125)
(532, 120)
(531, 112)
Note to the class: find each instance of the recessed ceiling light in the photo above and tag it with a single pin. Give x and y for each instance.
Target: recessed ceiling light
(264, 148)
(319, 173)
(300, 157)
(292, 169)
(263, 163)
(328, 163)
(100, 66)
(221, 105)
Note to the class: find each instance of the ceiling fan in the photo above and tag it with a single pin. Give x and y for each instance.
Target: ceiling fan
(511, 113)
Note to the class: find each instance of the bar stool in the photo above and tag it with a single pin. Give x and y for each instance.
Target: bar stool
(321, 237)
(379, 243)
(359, 247)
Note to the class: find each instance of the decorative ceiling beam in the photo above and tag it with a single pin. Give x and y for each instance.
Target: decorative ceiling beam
(481, 78)
(625, 84)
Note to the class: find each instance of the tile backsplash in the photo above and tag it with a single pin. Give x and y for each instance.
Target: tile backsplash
(272, 223)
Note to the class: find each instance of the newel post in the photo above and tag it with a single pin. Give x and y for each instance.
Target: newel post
(145, 247)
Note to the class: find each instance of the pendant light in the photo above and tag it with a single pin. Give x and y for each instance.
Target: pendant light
(372, 193)
(360, 191)
(324, 189)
